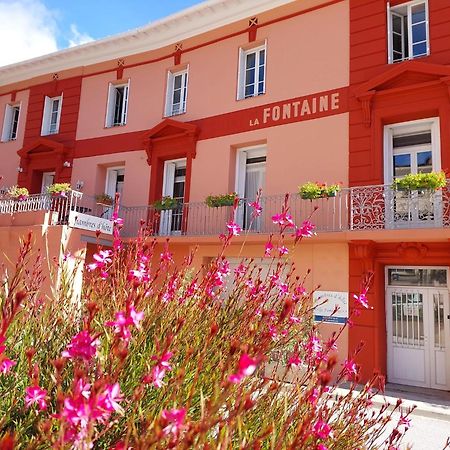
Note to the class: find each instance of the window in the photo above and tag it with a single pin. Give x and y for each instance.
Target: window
(115, 177)
(176, 92)
(252, 72)
(52, 115)
(250, 178)
(174, 183)
(117, 105)
(408, 31)
(412, 147)
(10, 123)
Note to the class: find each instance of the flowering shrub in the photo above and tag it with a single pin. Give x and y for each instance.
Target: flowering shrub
(412, 181)
(18, 193)
(59, 189)
(311, 191)
(215, 201)
(161, 356)
(165, 203)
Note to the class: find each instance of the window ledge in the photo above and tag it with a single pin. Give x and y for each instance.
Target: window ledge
(249, 98)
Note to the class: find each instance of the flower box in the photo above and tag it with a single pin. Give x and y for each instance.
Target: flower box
(312, 191)
(59, 189)
(166, 203)
(104, 199)
(18, 193)
(411, 182)
(216, 201)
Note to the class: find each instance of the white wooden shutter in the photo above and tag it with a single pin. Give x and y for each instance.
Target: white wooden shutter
(241, 75)
(241, 166)
(7, 123)
(59, 113)
(110, 105)
(168, 182)
(389, 33)
(125, 103)
(185, 89)
(46, 116)
(169, 94)
(111, 182)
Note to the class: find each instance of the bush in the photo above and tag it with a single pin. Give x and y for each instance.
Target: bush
(160, 356)
(59, 188)
(18, 193)
(166, 203)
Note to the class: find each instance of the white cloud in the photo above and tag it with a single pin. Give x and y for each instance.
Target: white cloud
(78, 38)
(27, 29)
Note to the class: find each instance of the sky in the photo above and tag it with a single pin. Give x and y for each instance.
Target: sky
(30, 28)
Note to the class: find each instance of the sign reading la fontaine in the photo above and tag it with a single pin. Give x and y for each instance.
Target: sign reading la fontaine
(90, 223)
(326, 302)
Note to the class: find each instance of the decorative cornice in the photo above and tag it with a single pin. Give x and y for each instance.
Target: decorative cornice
(207, 16)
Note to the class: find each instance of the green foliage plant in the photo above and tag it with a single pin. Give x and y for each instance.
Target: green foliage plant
(216, 201)
(311, 190)
(432, 181)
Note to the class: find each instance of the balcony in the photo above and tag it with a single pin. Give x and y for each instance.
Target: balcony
(359, 208)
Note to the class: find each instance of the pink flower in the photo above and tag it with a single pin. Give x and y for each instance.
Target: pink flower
(166, 256)
(109, 399)
(350, 368)
(313, 396)
(159, 370)
(233, 229)
(404, 421)
(361, 299)
(240, 270)
(83, 346)
(283, 250)
(284, 219)
(257, 209)
(124, 321)
(322, 447)
(268, 248)
(102, 258)
(306, 230)
(294, 360)
(246, 368)
(174, 418)
(6, 365)
(322, 430)
(34, 394)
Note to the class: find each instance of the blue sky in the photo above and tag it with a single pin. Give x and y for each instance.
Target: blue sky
(30, 28)
(100, 18)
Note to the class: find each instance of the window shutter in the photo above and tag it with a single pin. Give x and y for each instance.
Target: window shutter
(169, 179)
(111, 182)
(427, 28)
(110, 106)
(59, 113)
(46, 116)
(241, 75)
(389, 32)
(169, 94)
(125, 103)
(7, 123)
(185, 90)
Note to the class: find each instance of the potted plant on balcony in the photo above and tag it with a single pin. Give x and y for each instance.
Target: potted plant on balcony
(59, 189)
(18, 193)
(166, 203)
(312, 191)
(431, 181)
(104, 199)
(216, 201)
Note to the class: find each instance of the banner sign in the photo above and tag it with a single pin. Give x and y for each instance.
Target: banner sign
(325, 302)
(90, 223)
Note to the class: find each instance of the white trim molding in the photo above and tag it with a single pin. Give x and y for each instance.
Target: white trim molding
(198, 19)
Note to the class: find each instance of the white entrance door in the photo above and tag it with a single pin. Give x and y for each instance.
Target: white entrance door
(48, 178)
(418, 335)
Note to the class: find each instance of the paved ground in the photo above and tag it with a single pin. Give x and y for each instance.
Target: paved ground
(430, 421)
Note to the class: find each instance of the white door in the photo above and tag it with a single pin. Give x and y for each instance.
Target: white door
(418, 334)
(48, 178)
(115, 178)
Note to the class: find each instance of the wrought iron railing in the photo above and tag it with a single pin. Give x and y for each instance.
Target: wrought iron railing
(381, 207)
(358, 208)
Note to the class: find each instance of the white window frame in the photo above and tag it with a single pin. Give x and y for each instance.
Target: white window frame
(243, 52)
(111, 104)
(46, 116)
(111, 180)
(171, 75)
(391, 11)
(415, 126)
(8, 122)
